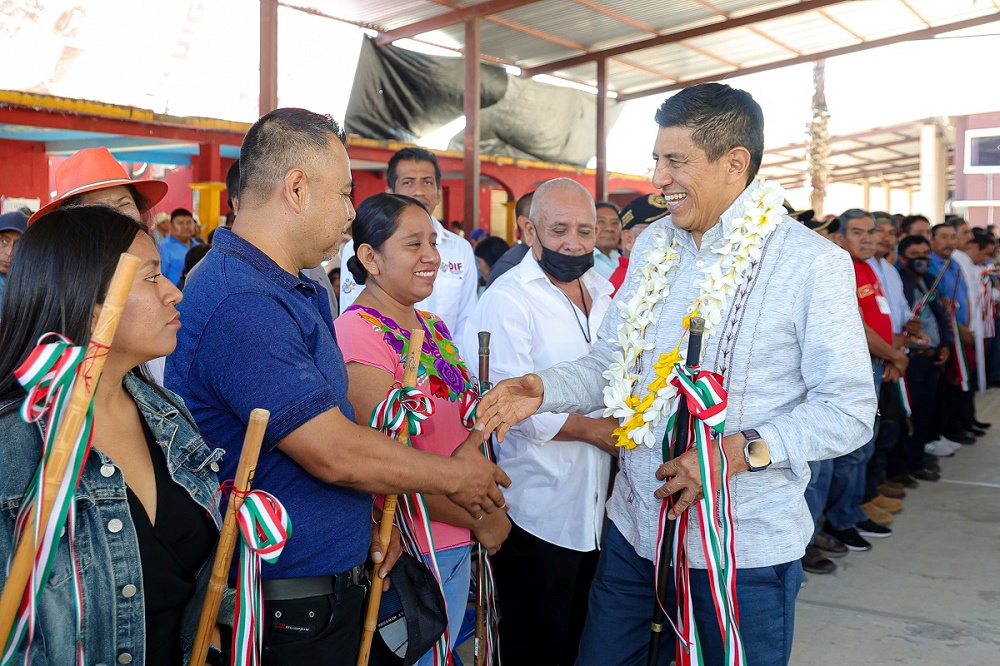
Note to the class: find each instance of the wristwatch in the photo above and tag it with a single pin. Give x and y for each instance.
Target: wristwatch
(755, 451)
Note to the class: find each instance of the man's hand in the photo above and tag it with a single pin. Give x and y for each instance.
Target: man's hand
(388, 559)
(900, 361)
(914, 327)
(965, 335)
(891, 373)
(684, 473)
(920, 340)
(492, 531)
(601, 434)
(509, 402)
(477, 479)
(944, 355)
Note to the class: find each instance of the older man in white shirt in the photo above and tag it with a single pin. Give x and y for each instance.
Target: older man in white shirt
(783, 330)
(415, 173)
(545, 310)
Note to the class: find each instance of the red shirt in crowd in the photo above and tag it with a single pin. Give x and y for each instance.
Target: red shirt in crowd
(618, 277)
(872, 301)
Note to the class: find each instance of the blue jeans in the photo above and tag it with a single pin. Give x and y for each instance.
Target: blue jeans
(850, 473)
(820, 477)
(621, 605)
(456, 573)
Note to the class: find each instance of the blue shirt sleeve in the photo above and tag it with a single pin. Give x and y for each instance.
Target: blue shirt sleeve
(254, 353)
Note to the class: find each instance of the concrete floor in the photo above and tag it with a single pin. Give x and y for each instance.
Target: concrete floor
(930, 593)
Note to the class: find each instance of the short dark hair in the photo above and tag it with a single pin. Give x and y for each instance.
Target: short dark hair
(956, 221)
(851, 214)
(938, 227)
(909, 220)
(523, 205)
(180, 212)
(909, 242)
(233, 184)
(377, 220)
(609, 204)
(279, 141)
(411, 155)
(61, 269)
(721, 117)
(490, 249)
(983, 239)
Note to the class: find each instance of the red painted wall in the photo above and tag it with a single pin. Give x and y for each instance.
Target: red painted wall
(24, 170)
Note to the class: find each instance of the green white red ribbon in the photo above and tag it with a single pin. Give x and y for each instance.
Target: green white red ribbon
(264, 530)
(961, 367)
(904, 396)
(470, 401)
(706, 400)
(48, 376)
(404, 405)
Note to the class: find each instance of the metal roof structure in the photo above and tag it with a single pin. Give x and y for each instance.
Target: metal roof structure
(884, 155)
(656, 46)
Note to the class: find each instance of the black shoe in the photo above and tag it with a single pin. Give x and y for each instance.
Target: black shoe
(927, 475)
(871, 529)
(959, 438)
(907, 480)
(974, 431)
(932, 466)
(982, 425)
(849, 538)
(814, 562)
(828, 545)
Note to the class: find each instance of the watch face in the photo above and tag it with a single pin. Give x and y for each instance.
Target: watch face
(758, 453)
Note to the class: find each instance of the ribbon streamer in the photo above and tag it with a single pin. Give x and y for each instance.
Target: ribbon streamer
(707, 402)
(48, 376)
(264, 530)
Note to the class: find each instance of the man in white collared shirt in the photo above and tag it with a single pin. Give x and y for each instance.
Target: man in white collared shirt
(415, 173)
(545, 310)
(607, 255)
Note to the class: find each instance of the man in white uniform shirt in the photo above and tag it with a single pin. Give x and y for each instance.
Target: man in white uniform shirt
(415, 173)
(545, 310)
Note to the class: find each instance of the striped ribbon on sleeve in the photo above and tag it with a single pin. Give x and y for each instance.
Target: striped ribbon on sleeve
(48, 376)
(707, 403)
(264, 530)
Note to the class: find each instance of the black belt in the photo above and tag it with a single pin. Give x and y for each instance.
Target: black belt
(283, 589)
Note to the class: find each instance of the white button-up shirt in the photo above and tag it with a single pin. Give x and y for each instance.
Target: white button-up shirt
(455, 286)
(559, 487)
(793, 352)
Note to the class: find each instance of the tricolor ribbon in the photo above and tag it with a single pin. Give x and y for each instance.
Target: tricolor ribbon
(403, 405)
(48, 376)
(961, 366)
(469, 401)
(264, 530)
(904, 396)
(707, 401)
(989, 306)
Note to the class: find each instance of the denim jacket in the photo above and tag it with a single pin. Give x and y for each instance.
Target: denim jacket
(106, 544)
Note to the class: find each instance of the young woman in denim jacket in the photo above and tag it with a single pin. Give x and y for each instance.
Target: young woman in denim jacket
(147, 515)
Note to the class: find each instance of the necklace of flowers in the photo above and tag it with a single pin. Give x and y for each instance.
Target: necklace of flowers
(739, 251)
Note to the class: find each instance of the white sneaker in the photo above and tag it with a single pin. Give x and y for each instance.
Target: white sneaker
(954, 446)
(940, 448)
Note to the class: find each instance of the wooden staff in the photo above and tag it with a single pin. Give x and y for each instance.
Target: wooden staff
(245, 469)
(413, 354)
(67, 433)
(666, 548)
(484, 386)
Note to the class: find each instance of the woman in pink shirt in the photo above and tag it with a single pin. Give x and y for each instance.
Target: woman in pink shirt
(397, 260)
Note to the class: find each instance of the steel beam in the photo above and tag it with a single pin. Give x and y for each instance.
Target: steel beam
(449, 18)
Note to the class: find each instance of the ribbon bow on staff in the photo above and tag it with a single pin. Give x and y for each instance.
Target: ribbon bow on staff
(403, 405)
(706, 401)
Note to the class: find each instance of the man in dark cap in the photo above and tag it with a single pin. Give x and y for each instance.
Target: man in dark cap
(636, 216)
(12, 226)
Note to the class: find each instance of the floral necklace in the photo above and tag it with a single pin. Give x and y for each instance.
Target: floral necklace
(739, 251)
(448, 376)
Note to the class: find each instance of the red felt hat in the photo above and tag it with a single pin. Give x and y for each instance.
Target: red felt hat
(96, 169)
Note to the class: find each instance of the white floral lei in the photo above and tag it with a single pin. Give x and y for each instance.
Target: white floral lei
(742, 246)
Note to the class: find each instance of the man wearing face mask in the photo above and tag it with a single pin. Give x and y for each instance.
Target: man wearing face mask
(925, 368)
(545, 310)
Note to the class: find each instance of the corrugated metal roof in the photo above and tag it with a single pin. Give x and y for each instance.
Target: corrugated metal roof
(542, 33)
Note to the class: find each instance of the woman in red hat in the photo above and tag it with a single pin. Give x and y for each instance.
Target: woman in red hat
(93, 176)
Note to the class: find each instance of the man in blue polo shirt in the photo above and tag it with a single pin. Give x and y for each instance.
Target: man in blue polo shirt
(175, 247)
(257, 333)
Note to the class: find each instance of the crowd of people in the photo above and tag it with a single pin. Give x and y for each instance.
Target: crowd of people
(591, 318)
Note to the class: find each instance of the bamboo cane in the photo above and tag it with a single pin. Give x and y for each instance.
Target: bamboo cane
(245, 469)
(484, 386)
(413, 354)
(66, 434)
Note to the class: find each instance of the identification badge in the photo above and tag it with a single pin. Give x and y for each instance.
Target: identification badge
(883, 305)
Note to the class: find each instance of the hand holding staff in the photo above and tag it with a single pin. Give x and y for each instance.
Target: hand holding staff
(413, 355)
(227, 538)
(67, 434)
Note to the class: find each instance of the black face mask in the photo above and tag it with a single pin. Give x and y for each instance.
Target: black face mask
(919, 266)
(563, 267)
